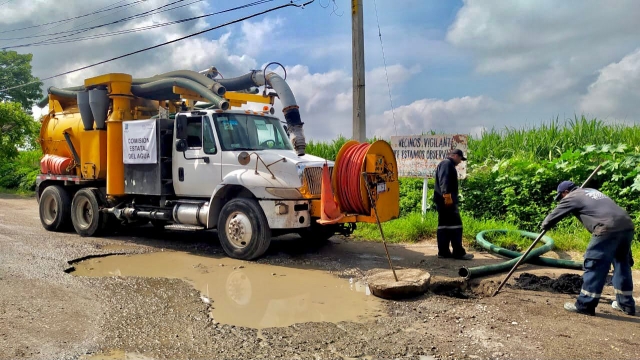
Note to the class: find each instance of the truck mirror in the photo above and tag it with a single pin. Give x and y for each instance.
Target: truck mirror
(181, 127)
(181, 145)
(244, 158)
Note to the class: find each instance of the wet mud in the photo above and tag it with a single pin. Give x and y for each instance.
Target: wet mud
(249, 294)
(564, 284)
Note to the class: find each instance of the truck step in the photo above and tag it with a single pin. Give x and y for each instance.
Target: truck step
(184, 227)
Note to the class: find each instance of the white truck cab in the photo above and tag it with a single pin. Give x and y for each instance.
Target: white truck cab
(236, 171)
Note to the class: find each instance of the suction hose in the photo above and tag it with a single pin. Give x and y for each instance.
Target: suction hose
(557, 263)
(349, 169)
(64, 93)
(201, 79)
(470, 273)
(165, 86)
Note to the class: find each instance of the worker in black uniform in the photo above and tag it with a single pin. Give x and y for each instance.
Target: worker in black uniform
(612, 232)
(445, 196)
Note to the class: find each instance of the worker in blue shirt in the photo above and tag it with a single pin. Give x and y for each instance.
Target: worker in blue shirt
(445, 195)
(612, 232)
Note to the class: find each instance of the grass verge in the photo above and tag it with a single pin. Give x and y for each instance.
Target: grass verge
(568, 236)
(16, 192)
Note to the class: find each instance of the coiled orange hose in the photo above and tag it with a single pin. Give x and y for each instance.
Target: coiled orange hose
(349, 175)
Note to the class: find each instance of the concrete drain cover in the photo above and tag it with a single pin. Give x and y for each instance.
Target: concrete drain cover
(411, 282)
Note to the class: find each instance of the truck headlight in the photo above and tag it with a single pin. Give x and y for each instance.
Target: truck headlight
(285, 193)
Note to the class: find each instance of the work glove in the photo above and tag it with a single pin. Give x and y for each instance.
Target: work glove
(447, 200)
(544, 226)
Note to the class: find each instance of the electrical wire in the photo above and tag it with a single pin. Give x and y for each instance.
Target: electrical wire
(163, 44)
(86, 22)
(6, 2)
(140, 29)
(71, 18)
(128, 18)
(385, 68)
(78, 31)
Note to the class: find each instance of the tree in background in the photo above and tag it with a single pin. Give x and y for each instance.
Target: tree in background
(15, 69)
(17, 129)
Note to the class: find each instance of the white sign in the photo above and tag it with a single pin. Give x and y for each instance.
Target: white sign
(139, 144)
(419, 155)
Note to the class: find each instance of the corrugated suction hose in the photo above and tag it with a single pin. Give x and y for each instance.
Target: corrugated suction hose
(349, 175)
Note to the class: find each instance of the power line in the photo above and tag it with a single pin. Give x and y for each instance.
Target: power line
(140, 29)
(69, 19)
(163, 44)
(6, 2)
(385, 68)
(78, 31)
(87, 22)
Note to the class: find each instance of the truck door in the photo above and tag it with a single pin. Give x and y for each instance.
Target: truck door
(193, 175)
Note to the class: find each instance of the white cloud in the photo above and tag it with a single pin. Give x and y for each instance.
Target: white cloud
(457, 115)
(257, 34)
(616, 91)
(326, 99)
(550, 48)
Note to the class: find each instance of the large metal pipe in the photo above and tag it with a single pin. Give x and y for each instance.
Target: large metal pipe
(166, 84)
(201, 79)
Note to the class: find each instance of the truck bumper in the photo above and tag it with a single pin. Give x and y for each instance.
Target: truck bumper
(287, 214)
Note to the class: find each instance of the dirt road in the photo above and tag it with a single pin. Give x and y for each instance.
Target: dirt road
(179, 297)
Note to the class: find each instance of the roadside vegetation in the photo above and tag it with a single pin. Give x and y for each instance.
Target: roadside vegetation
(512, 177)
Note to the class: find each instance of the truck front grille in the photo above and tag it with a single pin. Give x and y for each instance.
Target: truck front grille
(313, 177)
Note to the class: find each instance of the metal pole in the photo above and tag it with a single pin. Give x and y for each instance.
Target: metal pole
(523, 257)
(425, 190)
(357, 34)
(375, 211)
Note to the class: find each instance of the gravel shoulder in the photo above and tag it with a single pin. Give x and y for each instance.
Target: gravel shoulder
(46, 313)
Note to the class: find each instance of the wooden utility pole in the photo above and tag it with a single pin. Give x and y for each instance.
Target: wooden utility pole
(357, 34)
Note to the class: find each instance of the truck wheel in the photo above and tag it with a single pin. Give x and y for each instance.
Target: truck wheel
(55, 208)
(85, 213)
(243, 229)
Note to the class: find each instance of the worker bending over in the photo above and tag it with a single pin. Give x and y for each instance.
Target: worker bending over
(612, 232)
(445, 196)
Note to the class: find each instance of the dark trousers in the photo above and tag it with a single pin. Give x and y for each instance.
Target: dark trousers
(603, 250)
(449, 231)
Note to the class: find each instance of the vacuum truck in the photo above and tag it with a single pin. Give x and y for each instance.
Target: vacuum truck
(179, 150)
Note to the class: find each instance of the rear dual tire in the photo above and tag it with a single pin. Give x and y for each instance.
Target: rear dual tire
(55, 209)
(86, 216)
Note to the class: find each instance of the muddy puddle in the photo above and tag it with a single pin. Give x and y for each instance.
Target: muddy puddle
(249, 294)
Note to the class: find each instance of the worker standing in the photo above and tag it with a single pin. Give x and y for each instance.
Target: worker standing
(612, 232)
(445, 196)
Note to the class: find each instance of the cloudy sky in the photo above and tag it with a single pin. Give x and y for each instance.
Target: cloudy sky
(453, 66)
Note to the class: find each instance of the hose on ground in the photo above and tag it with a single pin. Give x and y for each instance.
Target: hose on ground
(533, 257)
(349, 174)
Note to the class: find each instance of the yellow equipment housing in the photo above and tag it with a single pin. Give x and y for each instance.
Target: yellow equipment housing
(100, 150)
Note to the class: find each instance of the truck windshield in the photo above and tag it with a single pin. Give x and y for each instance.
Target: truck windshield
(250, 132)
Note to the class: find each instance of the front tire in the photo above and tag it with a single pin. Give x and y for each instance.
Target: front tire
(55, 208)
(243, 229)
(86, 216)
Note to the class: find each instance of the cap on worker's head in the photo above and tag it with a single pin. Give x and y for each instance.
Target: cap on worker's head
(564, 186)
(458, 152)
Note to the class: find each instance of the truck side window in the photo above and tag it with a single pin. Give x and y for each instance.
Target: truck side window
(209, 142)
(194, 132)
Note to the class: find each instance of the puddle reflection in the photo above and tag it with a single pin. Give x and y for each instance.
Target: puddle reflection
(249, 294)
